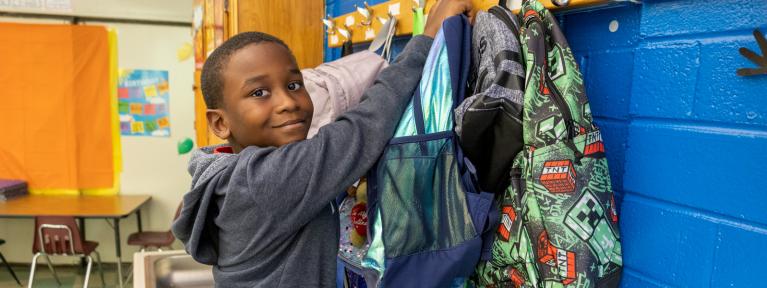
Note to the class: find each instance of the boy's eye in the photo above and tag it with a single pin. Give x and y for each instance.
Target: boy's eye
(294, 86)
(259, 93)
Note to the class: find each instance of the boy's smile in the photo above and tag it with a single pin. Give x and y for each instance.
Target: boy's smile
(264, 99)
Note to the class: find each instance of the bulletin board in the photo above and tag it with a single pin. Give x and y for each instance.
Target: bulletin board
(143, 102)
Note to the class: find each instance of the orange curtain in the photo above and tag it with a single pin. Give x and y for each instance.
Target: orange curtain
(55, 113)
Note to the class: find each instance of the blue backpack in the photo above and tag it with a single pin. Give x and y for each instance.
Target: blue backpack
(425, 214)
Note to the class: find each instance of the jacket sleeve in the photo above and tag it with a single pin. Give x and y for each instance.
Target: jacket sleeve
(336, 87)
(291, 184)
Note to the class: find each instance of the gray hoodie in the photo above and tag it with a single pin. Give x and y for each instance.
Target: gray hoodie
(264, 218)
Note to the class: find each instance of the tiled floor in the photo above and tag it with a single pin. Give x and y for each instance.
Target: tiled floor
(70, 276)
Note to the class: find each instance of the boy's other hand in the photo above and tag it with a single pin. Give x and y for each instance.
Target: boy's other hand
(441, 11)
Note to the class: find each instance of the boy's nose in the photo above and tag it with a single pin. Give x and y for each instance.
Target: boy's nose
(287, 102)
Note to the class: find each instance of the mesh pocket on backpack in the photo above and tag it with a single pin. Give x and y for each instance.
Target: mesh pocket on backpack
(423, 203)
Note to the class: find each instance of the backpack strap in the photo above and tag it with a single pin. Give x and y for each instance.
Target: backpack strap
(503, 14)
(418, 112)
(506, 79)
(459, 55)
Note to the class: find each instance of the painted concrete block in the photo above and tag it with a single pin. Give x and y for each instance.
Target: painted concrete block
(724, 96)
(603, 29)
(712, 168)
(665, 243)
(609, 89)
(667, 18)
(664, 80)
(632, 278)
(740, 249)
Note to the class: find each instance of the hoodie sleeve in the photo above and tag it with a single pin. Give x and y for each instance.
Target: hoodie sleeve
(290, 185)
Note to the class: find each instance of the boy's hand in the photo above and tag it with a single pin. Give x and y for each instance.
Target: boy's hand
(441, 11)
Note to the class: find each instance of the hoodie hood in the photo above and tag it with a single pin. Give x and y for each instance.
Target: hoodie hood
(194, 226)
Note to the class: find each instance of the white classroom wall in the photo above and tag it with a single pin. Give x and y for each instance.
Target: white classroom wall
(168, 10)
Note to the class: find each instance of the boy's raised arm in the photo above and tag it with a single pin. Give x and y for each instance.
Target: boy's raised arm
(293, 183)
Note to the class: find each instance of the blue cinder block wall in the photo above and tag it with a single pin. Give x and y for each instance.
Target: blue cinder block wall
(686, 137)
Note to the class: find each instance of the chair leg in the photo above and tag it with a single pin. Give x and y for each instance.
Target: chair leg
(7, 265)
(101, 270)
(50, 266)
(32, 270)
(129, 278)
(88, 271)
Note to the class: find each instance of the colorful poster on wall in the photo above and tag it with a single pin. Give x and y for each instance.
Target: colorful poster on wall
(143, 100)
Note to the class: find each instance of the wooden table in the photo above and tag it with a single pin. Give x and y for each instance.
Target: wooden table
(113, 207)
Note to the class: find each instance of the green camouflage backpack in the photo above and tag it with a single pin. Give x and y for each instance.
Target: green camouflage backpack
(558, 224)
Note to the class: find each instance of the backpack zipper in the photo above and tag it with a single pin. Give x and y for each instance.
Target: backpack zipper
(562, 105)
(553, 92)
(559, 101)
(568, 118)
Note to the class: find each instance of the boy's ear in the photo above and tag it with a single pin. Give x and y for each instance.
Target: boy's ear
(218, 124)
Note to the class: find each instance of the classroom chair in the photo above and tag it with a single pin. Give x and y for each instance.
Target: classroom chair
(156, 239)
(56, 235)
(149, 239)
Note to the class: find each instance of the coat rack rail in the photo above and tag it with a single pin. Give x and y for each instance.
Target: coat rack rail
(363, 25)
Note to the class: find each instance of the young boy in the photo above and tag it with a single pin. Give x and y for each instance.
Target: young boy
(260, 209)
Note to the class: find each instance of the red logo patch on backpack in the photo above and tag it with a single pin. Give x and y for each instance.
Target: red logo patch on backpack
(558, 176)
(507, 219)
(561, 260)
(594, 144)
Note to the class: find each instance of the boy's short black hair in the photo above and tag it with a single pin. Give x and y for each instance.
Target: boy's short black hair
(212, 82)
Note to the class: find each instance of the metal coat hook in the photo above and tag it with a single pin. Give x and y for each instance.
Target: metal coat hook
(331, 26)
(366, 12)
(760, 61)
(383, 20)
(346, 32)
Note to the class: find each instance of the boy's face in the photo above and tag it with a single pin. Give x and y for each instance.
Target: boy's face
(264, 99)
